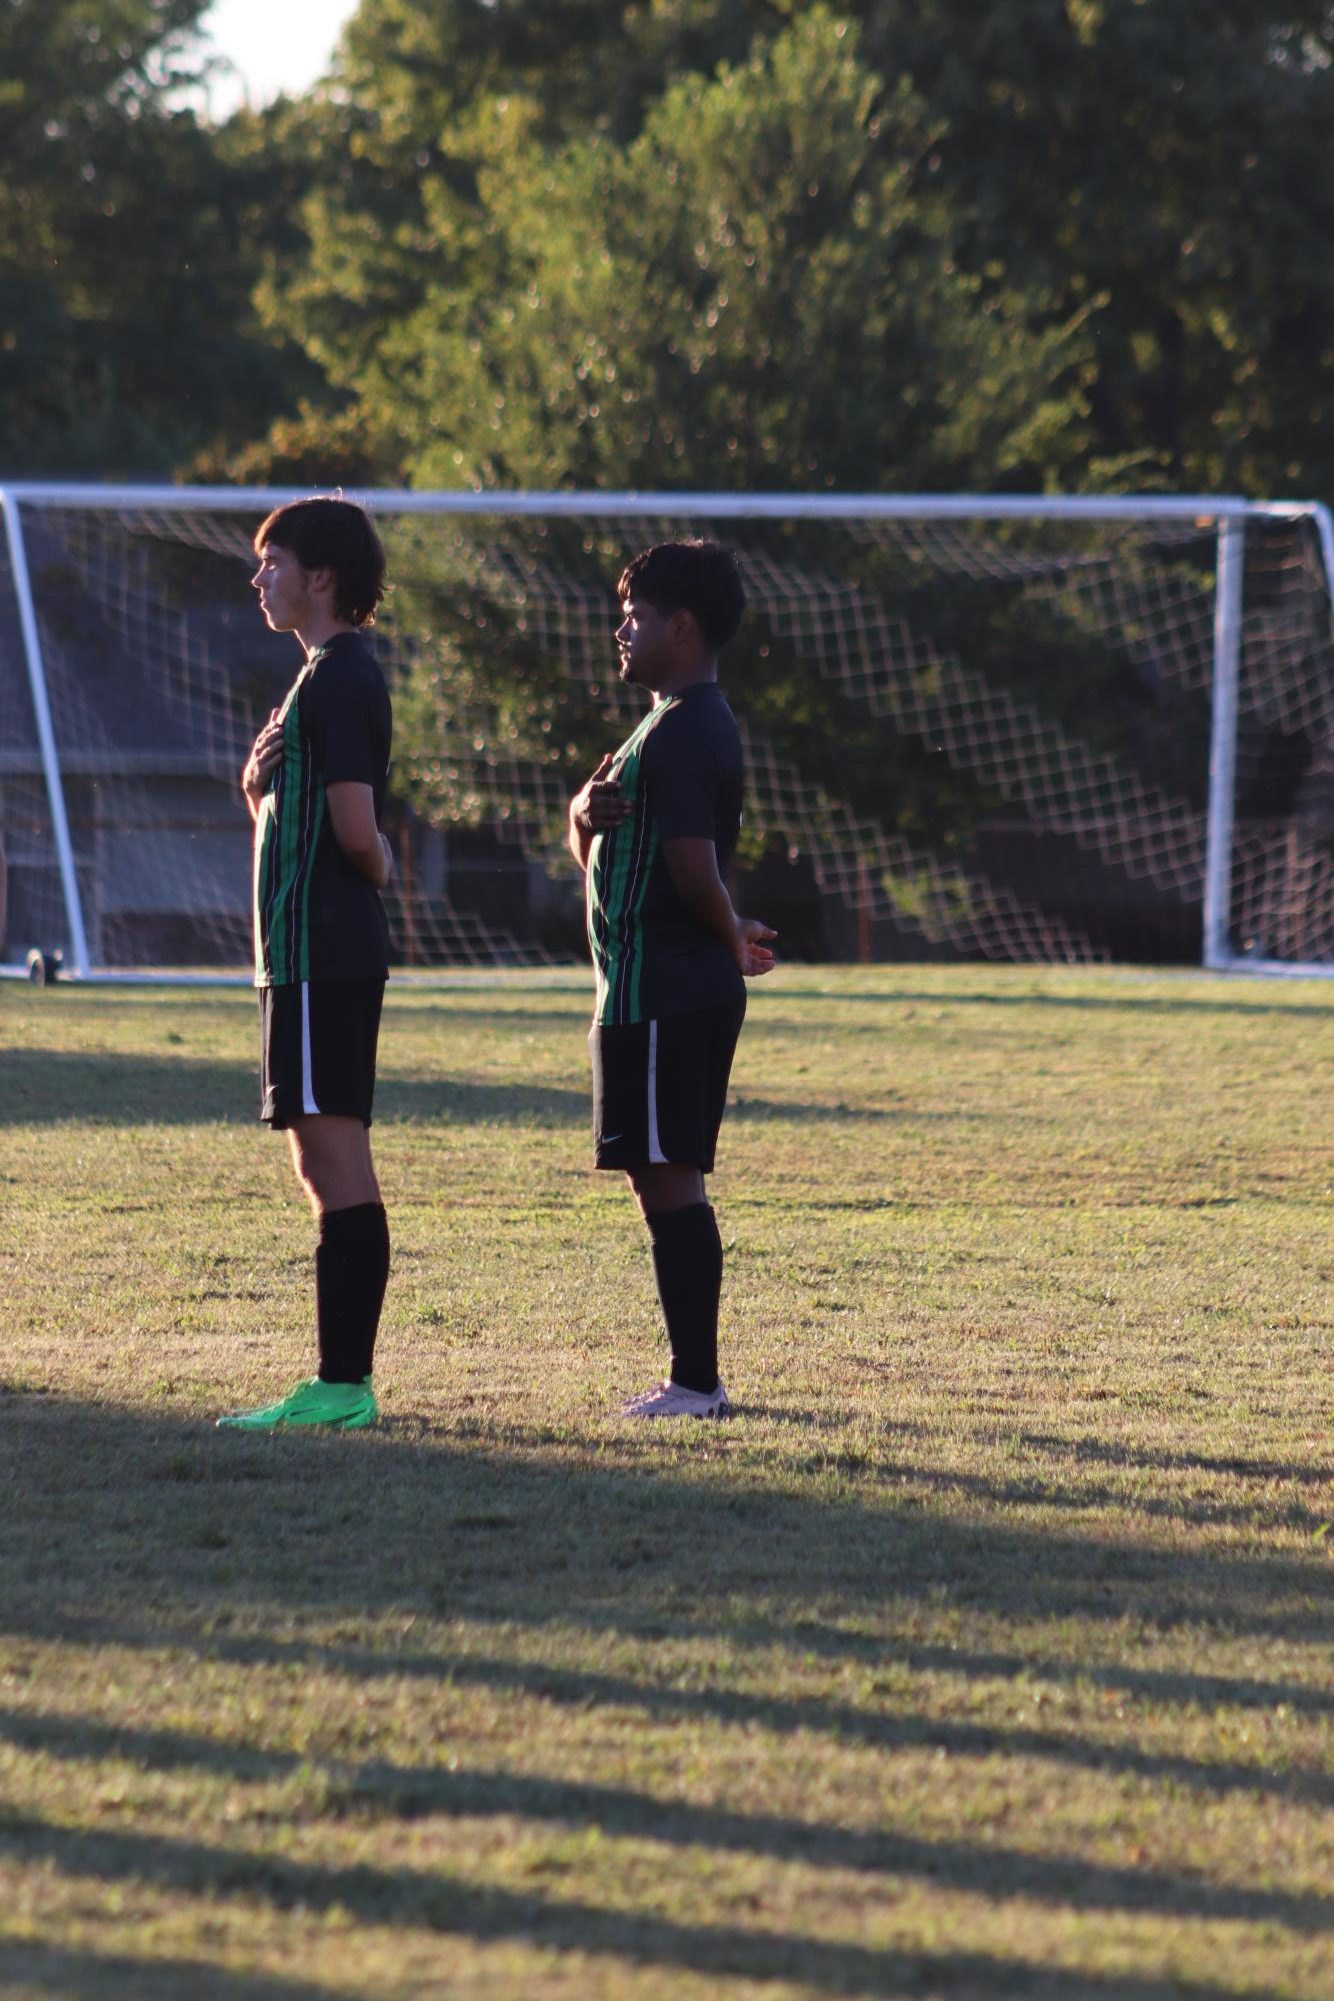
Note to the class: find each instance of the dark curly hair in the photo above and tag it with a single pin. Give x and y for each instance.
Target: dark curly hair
(329, 533)
(696, 576)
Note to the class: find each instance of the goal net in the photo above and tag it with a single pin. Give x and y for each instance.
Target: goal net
(975, 728)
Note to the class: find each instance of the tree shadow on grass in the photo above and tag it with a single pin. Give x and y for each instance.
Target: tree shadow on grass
(141, 1531)
(373, 1791)
(1205, 1693)
(456, 1907)
(667, 1703)
(115, 1503)
(95, 1087)
(1116, 1452)
(40, 1087)
(107, 1088)
(1040, 1490)
(746, 1110)
(89, 1975)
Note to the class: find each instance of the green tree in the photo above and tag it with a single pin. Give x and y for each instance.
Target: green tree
(755, 292)
(1168, 156)
(397, 138)
(1162, 162)
(128, 336)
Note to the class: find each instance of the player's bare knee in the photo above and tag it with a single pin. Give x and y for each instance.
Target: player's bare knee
(668, 1185)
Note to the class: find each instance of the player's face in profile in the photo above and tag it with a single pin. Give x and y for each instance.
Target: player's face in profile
(641, 641)
(283, 587)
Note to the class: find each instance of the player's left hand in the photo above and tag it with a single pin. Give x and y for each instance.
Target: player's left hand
(752, 952)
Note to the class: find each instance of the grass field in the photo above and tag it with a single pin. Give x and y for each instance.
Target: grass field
(986, 1653)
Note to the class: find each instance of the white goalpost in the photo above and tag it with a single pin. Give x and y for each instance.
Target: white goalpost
(1062, 729)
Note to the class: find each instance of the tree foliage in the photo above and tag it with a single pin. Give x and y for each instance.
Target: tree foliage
(128, 335)
(1157, 169)
(1151, 175)
(1167, 158)
(755, 292)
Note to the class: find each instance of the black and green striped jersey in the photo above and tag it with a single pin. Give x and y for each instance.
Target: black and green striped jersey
(681, 773)
(316, 916)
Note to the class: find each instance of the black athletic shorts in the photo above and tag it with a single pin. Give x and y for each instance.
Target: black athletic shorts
(660, 1087)
(317, 1049)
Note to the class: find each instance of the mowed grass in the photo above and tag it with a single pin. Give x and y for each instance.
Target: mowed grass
(985, 1653)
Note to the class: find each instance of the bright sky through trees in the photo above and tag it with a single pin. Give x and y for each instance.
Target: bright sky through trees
(275, 45)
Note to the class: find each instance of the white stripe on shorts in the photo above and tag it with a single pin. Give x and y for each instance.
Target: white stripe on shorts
(307, 1085)
(657, 1158)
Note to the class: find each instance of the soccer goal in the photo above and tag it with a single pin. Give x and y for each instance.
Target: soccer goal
(976, 727)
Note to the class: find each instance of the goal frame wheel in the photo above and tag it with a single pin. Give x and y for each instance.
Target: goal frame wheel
(44, 967)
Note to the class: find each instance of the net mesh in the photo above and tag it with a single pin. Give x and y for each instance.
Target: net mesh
(962, 737)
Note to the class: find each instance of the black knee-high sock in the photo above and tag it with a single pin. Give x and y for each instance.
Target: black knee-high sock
(688, 1265)
(351, 1271)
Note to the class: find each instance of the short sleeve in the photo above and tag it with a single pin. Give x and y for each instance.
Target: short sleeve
(337, 718)
(681, 769)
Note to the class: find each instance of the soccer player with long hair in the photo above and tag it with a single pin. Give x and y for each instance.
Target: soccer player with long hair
(315, 785)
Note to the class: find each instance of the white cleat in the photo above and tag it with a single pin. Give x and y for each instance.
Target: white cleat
(670, 1400)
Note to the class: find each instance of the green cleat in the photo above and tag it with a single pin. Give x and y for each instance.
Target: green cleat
(342, 1406)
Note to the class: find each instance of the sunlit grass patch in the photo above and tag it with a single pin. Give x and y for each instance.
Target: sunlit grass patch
(985, 1652)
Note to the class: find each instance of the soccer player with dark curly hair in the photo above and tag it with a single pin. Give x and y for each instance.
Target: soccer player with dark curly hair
(315, 785)
(654, 829)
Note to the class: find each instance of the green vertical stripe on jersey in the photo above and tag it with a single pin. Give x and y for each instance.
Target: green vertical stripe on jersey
(611, 880)
(289, 845)
(613, 903)
(283, 867)
(614, 906)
